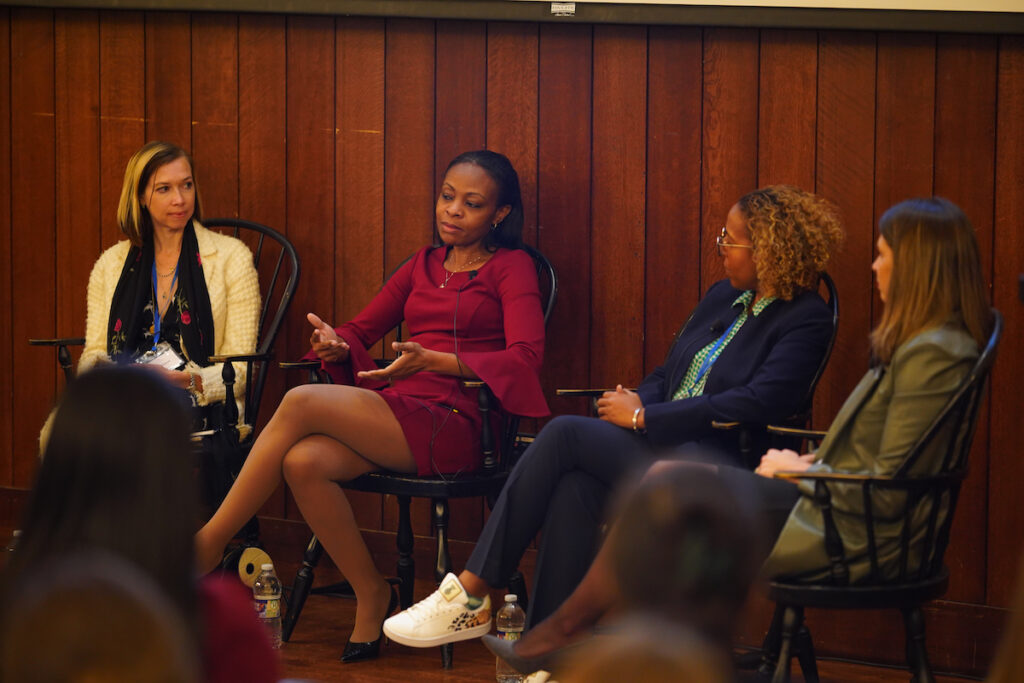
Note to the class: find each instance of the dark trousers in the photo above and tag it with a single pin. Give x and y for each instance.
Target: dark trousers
(560, 487)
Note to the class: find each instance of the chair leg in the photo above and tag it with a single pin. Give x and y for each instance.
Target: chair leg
(792, 618)
(442, 561)
(917, 653)
(406, 565)
(805, 654)
(300, 587)
(771, 644)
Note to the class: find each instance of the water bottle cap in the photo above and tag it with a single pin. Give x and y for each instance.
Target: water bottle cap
(511, 597)
(268, 567)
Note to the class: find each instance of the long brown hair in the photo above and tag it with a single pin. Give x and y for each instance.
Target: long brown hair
(936, 274)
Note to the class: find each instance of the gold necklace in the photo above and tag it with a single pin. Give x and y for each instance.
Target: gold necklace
(451, 273)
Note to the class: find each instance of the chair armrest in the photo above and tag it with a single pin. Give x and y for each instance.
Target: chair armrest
(593, 393)
(829, 476)
(247, 357)
(811, 434)
(299, 365)
(60, 341)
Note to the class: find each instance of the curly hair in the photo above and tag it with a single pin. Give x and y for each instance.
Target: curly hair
(794, 233)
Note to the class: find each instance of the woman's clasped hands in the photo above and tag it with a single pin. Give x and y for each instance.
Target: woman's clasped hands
(785, 460)
(618, 406)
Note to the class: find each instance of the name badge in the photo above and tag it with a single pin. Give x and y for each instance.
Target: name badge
(164, 356)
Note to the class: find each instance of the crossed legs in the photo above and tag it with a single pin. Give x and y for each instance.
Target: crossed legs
(319, 435)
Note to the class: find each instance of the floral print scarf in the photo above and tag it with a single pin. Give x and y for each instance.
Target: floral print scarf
(134, 292)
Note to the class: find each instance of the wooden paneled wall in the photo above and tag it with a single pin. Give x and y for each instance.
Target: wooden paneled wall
(632, 143)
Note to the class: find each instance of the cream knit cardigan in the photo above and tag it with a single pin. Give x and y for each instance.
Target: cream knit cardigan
(234, 298)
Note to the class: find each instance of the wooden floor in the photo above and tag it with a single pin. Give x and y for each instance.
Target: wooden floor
(326, 621)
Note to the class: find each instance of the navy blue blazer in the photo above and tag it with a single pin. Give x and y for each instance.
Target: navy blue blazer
(762, 375)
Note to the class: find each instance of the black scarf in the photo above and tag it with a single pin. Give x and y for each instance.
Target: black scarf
(135, 290)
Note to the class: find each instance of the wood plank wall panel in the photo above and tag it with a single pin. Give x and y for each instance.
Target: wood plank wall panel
(845, 175)
(215, 111)
(79, 219)
(460, 81)
(169, 77)
(262, 154)
(6, 336)
(310, 182)
(965, 128)
(618, 190)
(122, 109)
(512, 70)
(788, 91)
(632, 143)
(33, 217)
(672, 277)
(1006, 468)
(729, 158)
(359, 209)
(904, 125)
(565, 93)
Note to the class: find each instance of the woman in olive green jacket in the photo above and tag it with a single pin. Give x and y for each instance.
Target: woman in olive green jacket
(935, 320)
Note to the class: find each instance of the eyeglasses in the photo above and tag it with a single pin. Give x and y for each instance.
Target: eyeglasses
(720, 242)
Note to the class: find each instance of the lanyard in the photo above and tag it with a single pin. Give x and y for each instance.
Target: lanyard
(156, 304)
(712, 356)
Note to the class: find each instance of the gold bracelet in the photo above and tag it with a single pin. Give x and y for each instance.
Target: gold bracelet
(636, 414)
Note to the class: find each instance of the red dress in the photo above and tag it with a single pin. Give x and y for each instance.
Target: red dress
(491, 320)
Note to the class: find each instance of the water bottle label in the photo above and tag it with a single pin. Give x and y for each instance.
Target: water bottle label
(509, 635)
(267, 608)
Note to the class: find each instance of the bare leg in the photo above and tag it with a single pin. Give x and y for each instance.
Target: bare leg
(357, 418)
(311, 469)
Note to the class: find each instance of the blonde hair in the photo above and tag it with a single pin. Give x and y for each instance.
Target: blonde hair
(936, 274)
(132, 216)
(794, 233)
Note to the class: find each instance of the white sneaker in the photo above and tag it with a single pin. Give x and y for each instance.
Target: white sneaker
(442, 617)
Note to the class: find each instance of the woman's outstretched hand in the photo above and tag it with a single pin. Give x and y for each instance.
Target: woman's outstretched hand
(618, 406)
(776, 460)
(414, 358)
(326, 343)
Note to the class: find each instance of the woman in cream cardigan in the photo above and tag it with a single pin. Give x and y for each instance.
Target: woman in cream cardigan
(936, 319)
(174, 293)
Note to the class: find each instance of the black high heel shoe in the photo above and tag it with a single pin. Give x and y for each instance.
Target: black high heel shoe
(357, 652)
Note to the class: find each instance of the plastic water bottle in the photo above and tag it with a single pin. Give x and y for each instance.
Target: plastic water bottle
(15, 537)
(266, 594)
(511, 622)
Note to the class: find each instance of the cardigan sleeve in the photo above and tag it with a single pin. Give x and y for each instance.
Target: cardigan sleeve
(513, 373)
(238, 336)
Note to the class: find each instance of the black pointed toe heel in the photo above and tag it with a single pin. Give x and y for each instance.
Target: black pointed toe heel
(358, 652)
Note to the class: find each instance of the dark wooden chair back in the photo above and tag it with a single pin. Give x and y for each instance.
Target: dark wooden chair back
(278, 266)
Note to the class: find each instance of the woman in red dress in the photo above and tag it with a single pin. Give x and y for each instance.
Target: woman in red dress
(473, 310)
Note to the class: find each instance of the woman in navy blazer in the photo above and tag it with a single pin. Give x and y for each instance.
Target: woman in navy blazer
(747, 353)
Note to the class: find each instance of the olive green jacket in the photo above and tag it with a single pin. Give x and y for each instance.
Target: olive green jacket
(881, 420)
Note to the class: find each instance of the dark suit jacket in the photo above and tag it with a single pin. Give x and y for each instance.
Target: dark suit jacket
(762, 376)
